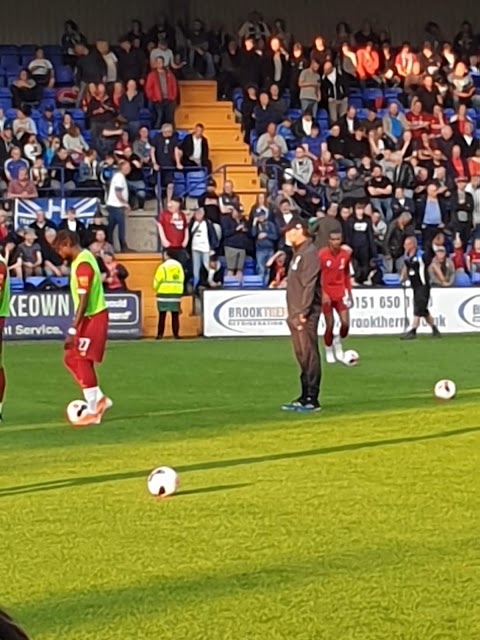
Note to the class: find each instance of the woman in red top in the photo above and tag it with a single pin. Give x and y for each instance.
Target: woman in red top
(474, 164)
(325, 166)
(117, 94)
(458, 165)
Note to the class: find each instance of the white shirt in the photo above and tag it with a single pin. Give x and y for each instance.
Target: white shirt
(350, 125)
(197, 150)
(307, 126)
(40, 67)
(111, 62)
(277, 65)
(118, 182)
(200, 237)
(72, 225)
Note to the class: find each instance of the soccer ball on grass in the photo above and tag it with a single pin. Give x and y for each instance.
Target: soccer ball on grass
(350, 358)
(445, 390)
(76, 410)
(162, 482)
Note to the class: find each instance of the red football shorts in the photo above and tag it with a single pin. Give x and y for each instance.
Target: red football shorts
(336, 304)
(91, 337)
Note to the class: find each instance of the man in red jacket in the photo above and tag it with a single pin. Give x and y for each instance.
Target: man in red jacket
(162, 91)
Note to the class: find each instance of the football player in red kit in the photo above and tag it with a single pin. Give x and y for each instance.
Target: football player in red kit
(336, 293)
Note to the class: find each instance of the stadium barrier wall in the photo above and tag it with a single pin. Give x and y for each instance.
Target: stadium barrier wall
(386, 311)
(47, 315)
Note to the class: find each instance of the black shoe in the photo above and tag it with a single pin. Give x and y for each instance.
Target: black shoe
(410, 335)
(159, 338)
(436, 333)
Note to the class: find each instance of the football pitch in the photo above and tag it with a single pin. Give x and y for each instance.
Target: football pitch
(358, 523)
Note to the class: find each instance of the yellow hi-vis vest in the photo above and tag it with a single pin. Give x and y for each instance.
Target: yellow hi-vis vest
(169, 280)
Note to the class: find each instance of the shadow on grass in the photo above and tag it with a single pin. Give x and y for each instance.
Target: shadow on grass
(238, 462)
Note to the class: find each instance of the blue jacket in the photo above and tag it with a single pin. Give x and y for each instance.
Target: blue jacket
(270, 229)
(43, 126)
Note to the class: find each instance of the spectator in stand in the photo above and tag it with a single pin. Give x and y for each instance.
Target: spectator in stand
(131, 63)
(229, 76)
(162, 91)
(320, 52)
(63, 174)
(14, 164)
(368, 64)
(313, 143)
(39, 175)
(101, 113)
(203, 242)
(53, 264)
(268, 140)
(22, 187)
(461, 212)
(142, 146)
(347, 63)
(75, 144)
(278, 270)
(41, 69)
(118, 204)
(398, 230)
(90, 68)
(388, 70)
(395, 124)
(418, 121)
(459, 121)
(372, 121)
(30, 255)
(265, 235)
(430, 61)
(98, 224)
(309, 84)
(23, 126)
(173, 230)
(229, 202)
(380, 190)
(353, 188)
(462, 86)
(32, 149)
(40, 226)
(298, 63)
(199, 57)
(248, 106)
(473, 258)
(474, 164)
(302, 166)
(135, 181)
(402, 204)
(72, 223)
(70, 39)
(274, 168)
(254, 27)
(264, 113)
(359, 236)
(412, 83)
(336, 146)
(433, 214)
(276, 65)
(379, 227)
(441, 269)
(5, 123)
(445, 142)
(166, 156)
(334, 90)
(277, 103)
(357, 146)
(235, 242)
(25, 90)
(131, 104)
(349, 123)
(404, 61)
(429, 95)
(303, 126)
(195, 149)
(117, 274)
(47, 125)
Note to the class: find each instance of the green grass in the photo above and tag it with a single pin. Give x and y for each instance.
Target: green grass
(359, 523)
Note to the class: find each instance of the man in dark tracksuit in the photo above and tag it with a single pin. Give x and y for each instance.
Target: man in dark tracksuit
(304, 308)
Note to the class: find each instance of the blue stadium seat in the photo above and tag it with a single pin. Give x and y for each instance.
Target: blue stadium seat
(11, 114)
(64, 76)
(26, 49)
(253, 139)
(17, 284)
(231, 282)
(476, 278)
(11, 49)
(61, 283)
(196, 183)
(250, 267)
(462, 280)
(391, 279)
(5, 104)
(182, 134)
(9, 60)
(294, 114)
(87, 135)
(179, 184)
(355, 101)
(35, 282)
(49, 93)
(370, 95)
(25, 59)
(253, 282)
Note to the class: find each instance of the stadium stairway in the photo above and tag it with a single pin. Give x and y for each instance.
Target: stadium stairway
(198, 103)
(141, 268)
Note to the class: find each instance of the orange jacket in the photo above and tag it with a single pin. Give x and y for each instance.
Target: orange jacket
(368, 63)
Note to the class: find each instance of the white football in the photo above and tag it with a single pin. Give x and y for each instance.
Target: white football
(350, 358)
(162, 482)
(76, 410)
(445, 390)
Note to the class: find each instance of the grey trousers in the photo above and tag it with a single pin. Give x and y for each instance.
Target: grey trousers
(305, 348)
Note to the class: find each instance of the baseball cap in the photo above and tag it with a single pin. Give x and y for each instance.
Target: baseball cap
(297, 223)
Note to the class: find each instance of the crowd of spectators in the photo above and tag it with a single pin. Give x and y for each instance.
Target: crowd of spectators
(375, 138)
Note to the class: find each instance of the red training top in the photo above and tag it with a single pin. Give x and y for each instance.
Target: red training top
(335, 272)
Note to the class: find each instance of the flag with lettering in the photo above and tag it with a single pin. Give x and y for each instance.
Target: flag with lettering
(55, 209)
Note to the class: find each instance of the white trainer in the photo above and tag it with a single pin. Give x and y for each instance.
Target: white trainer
(337, 346)
(329, 355)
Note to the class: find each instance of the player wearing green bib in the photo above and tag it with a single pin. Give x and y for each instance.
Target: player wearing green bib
(4, 312)
(87, 337)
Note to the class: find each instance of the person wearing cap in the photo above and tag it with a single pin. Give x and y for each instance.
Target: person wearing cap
(441, 269)
(303, 309)
(30, 254)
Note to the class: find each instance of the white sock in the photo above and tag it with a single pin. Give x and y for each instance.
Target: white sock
(1, 408)
(91, 396)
